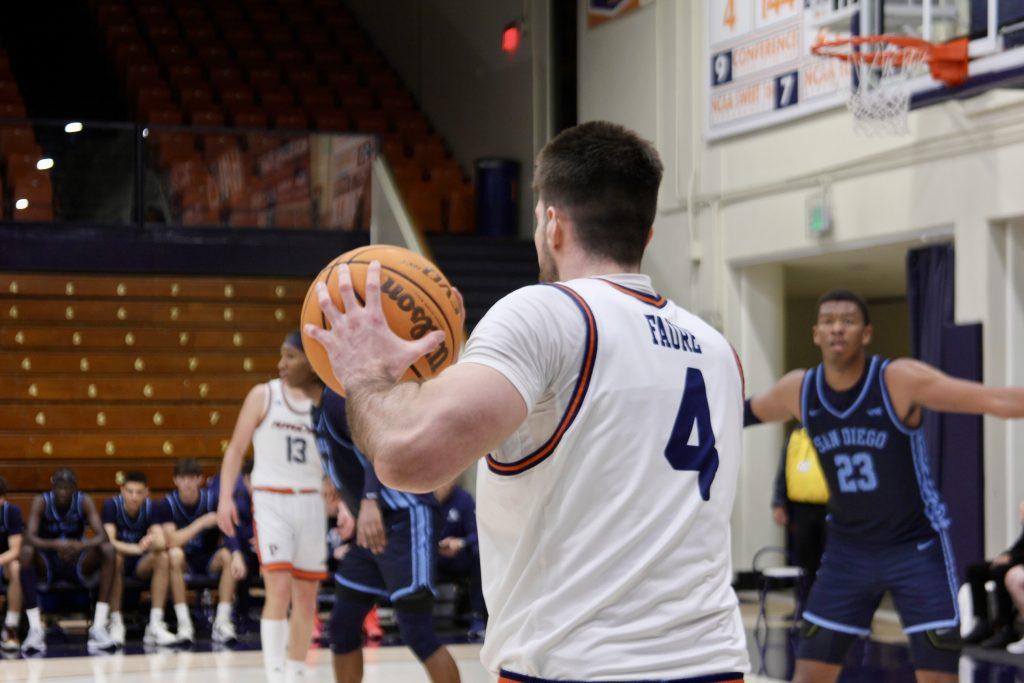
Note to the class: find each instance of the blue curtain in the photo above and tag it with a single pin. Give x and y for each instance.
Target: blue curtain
(954, 440)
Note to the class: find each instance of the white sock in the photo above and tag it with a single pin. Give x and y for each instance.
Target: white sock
(34, 620)
(273, 641)
(156, 615)
(223, 611)
(115, 618)
(294, 670)
(181, 611)
(12, 619)
(102, 612)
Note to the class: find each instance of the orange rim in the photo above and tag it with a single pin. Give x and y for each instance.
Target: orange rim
(947, 61)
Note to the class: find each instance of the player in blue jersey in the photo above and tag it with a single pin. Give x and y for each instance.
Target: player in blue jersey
(131, 522)
(888, 526)
(394, 556)
(189, 517)
(11, 528)
(56, 547)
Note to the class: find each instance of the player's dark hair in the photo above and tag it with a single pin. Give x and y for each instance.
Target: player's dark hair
(606, 178)
(845, 295)
(136, 477)
(64, 474)
(186, 467)
(3, 487)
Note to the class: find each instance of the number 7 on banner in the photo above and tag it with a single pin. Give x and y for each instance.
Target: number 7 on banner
(694, 412)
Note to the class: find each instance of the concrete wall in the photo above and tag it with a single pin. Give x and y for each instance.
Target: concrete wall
(733, 212)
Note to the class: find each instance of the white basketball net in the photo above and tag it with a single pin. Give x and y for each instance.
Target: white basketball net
(880, 96)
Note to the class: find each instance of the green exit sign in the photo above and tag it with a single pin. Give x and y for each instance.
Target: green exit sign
(819, 215)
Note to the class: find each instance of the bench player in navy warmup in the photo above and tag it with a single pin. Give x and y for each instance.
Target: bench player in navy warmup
(56, 547)
(888, 526)
(189, 517)
(11, 528)
(394, 556)
(134, 529)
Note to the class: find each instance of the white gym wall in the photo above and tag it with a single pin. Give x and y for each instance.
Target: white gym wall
(956, 176)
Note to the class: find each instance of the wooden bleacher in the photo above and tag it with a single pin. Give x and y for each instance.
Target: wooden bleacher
(110, 373)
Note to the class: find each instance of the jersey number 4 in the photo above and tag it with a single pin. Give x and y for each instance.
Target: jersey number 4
(694, 418)
(296, 450)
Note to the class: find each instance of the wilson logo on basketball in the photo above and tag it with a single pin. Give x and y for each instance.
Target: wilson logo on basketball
(438, 279)
(421, 320)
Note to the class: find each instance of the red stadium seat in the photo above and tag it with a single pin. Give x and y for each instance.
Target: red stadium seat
(238, 96)
(172, 146)
(224, 76)
(264, 77)
(112, 13)
(429, 152)
(274, 99)
(195, 97)
(302, 77)
(12, 110)
(447, 176)
(184, 75)
(213, 54)
(342, 80)
(164, 116)
(142, 74)
(370, 121)
(331, 119)
(252, 57)
(407, 175)
(17, 139)
(291, 119)
(394, 151)
(9, 91)
(35, 189)
(250, 118)
(356, 99)
(316, 98)
(207, 116)
(462, 210)
(424, 203)
(164, 33)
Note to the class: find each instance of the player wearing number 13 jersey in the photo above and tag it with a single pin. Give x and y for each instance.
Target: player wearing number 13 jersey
(289, 520)
(888, 527)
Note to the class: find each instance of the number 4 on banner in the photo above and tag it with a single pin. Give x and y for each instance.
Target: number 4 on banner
(730, 14)
(694, 419)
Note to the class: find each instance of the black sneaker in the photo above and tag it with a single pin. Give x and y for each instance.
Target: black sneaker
(982, 631)
(1000, 639)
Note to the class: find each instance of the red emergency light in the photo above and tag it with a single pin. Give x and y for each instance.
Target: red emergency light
(510, 38)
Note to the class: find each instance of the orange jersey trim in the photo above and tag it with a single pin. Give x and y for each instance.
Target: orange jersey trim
(307, 575)
(277, 567)
(656, 300)
(582, 383)
(271, 489)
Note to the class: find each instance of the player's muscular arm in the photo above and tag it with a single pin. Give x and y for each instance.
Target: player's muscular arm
(782, 401)
(253, 410)
(915, 384)
(421, 436)
(32, 528)
(121, 546)
(99, 534)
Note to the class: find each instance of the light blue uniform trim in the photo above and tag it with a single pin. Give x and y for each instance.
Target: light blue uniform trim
(421, 541)
(835, 626)
(931, 625)
(820, 378)
(361, 588)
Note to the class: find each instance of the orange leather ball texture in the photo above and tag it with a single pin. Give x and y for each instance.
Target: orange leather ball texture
(416, 298)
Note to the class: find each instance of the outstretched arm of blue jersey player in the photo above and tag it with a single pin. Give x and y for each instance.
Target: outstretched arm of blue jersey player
(249, 417)
(913, 384)
(782, 401)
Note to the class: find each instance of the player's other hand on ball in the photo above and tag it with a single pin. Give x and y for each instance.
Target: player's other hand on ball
(360, 343)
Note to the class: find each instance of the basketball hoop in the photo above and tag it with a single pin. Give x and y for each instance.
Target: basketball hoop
(884, 65)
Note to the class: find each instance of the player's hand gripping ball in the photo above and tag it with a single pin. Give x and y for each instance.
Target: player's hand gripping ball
(415, 296)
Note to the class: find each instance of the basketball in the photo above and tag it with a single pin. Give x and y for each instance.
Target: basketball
(416, 298)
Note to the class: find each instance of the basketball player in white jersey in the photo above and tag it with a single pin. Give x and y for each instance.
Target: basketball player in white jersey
(288, 510)
(612, 419)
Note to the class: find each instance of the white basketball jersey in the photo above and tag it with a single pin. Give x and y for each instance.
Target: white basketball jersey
(286, 456)
(604, 520)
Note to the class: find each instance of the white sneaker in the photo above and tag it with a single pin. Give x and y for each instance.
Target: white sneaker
(224, 631)
(186, 633)
(35, 641)
(116, 631)
(158, 634)
(99, 638)
(1016, 648)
